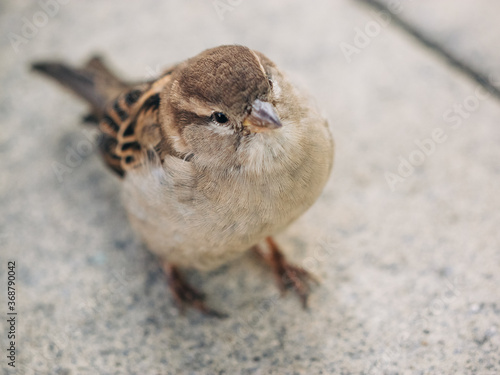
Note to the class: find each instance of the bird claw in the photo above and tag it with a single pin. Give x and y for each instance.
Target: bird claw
(296, 278)
(185, 295)
(288, 276)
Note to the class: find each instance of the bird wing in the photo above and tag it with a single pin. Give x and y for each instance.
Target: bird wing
(127, 114)
(130, 126)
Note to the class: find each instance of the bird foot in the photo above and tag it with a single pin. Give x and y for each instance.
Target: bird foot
(288, 276)
(184, 294)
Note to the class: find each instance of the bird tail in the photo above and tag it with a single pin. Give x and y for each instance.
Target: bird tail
(94, 83)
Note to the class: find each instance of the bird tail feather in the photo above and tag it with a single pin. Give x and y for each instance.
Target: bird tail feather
(94, 82)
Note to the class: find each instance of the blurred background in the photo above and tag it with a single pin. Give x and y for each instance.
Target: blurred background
(404, 238)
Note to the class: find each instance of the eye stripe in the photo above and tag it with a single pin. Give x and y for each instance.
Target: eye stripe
(187, 117)
(270, 80)
(259, 62)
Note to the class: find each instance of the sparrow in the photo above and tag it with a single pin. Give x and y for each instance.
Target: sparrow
(216, 156)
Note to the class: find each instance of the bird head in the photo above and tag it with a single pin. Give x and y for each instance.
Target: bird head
(221, 99)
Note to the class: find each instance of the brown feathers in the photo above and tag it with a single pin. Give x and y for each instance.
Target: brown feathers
(227, 76)
(226, 79)
(133, 121)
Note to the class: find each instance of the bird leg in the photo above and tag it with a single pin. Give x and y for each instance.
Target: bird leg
(288, 276)
(184, 294)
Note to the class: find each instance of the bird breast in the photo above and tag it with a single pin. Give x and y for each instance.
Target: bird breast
(204, 217)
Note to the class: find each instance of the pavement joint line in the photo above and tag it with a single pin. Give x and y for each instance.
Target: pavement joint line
(436, 48)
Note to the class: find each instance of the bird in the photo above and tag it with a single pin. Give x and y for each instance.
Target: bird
(217, 155)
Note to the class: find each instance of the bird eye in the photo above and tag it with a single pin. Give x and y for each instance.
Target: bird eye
(220, 117)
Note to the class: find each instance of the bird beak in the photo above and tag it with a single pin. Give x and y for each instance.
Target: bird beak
(262, 117)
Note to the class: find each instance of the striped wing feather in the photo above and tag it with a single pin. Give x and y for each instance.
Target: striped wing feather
(130, 125)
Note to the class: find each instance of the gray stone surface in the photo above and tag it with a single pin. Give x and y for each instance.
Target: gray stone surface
(467, 29)
(409, 275)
